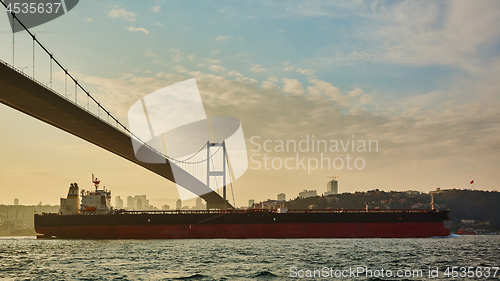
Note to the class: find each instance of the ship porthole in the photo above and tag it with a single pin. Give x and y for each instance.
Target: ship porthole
(274, 219)
(149, 220)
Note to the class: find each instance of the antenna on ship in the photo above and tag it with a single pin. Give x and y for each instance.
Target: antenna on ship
(96, 182)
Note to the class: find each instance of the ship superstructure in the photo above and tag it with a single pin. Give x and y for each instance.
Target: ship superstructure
(71, 204)
(96, 201)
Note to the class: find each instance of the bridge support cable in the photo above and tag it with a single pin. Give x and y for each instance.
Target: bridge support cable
(13, 39)
(33, 58)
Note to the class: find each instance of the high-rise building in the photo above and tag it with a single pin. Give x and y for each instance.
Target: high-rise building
(16, 202)
(165, 207)
(144, 202)
(332, 187)
(281, 197)
(250, 203)
(138, 204)
(199, 204)
(118, 203)
(130, 203)
(178, 204)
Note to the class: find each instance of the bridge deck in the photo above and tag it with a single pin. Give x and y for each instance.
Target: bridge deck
(32, 98)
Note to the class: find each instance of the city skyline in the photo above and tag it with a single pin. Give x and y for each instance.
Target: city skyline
(419, 78)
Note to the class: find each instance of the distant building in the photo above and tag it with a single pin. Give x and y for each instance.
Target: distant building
(269, 204)
(16, 202)
(307, 193)
(281, 197)
(178, 204)
(138, 204)
(144, 202)
(332, 187)
(412, 193)
(118, 203)
(130, 203)
(199, 204)
(250, 203)
(165, 207)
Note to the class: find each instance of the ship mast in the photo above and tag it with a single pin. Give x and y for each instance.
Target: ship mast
(96, 182)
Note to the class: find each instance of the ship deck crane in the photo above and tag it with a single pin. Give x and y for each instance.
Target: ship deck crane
(432, 193)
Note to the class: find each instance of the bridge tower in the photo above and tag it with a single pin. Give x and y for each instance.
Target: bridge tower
(214, 173)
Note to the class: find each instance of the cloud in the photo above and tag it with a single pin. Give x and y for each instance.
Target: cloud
(239, 55)
(222, 38)
(212, 60)
(234, 73)
(356, 92)
(88, 19)
(191, 57)
(153, 55)
(180, 69)
(327, 90)
(272, 79)
(453, 138)
(122, 13)
(215, 51)
(177, 58)
(216, 68)
(293, 87)
(158, 24)
(256, 68)
(156, 8)
(432, 33)
(307, 72)
(141, 29)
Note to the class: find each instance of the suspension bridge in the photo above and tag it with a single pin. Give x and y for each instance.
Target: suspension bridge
(90, 121)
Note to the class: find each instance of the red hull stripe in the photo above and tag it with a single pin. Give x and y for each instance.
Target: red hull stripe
(240, 231)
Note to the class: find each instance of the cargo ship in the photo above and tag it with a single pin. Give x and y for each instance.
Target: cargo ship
(95, 218)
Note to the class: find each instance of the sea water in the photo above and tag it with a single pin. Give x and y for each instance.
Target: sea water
(26, 258)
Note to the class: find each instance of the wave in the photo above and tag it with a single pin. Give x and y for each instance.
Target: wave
(193, 277)
(264, 273)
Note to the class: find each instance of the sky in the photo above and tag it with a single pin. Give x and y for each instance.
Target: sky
(418, 78)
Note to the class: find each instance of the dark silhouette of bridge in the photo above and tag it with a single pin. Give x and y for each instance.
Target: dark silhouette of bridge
(21, 92)
(29, 96)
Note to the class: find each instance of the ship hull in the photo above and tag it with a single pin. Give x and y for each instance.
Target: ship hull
(241, 225)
